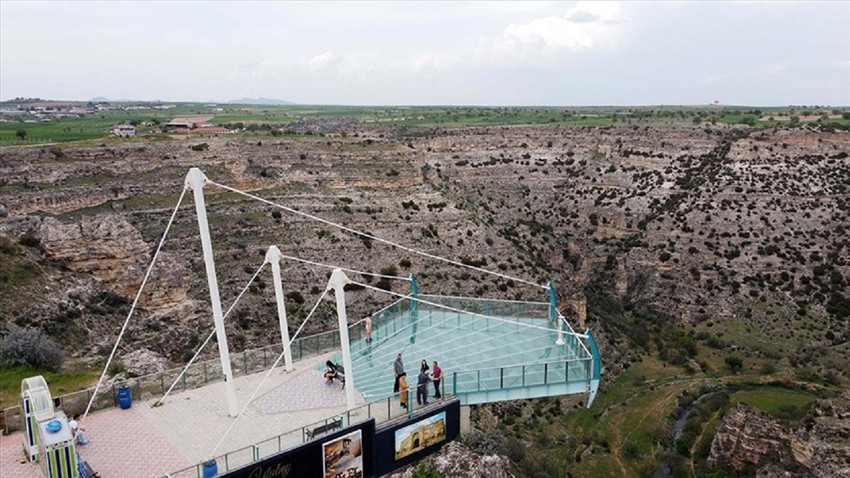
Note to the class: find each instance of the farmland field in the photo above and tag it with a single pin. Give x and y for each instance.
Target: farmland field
(31, 129)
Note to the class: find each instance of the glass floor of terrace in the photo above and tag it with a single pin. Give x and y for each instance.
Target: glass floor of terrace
(489, 350)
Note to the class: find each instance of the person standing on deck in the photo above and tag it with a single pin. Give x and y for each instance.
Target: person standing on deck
(437, 378)
(422, 386)
(403, 388)
(367, 324)
(398, 369)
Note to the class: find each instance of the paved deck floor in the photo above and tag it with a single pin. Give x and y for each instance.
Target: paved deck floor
(143, 441)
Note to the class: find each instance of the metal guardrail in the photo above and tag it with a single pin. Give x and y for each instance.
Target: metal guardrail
(386, 409)
(199, 374)
(520, 376)
(383, 410)
(209, 371)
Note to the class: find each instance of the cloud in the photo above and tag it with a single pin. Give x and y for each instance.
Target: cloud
(326, 60)
(586, 26)
(583, 17)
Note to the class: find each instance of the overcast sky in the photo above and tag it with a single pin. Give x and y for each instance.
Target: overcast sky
(429, 53)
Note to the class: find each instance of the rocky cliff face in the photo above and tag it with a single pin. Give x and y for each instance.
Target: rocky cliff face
(748, 439)
(822, 443)
(457, 461)
(694, 222)
(111, 250)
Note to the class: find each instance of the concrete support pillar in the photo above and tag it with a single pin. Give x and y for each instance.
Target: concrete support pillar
(465, 420)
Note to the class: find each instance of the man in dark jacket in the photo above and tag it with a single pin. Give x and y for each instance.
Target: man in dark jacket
(422, 386)
(398, 369)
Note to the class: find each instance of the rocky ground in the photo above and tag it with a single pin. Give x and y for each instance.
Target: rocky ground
(695, 223)
(748, 440)
(737, 233)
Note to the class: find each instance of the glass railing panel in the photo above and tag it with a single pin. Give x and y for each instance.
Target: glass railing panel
(534, 374)
(237, 458)
(269, 447)
(511, 377)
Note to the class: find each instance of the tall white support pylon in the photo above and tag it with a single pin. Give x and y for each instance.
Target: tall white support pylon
(273, 258)
(337, 283)
(195, 181)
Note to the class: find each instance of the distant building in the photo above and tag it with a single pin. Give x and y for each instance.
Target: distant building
(202, 129)
(123, 130)
(176, 123)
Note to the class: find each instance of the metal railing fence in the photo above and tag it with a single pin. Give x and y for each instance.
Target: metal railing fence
(382, 411)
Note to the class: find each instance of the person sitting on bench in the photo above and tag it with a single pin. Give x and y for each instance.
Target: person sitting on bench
(331, 373)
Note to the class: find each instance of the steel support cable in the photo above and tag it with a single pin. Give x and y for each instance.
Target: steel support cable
(210, 336)
(132, 308)
(271, 369)
(353, 271)
(369, 236)
(446, 307)
(454, 342)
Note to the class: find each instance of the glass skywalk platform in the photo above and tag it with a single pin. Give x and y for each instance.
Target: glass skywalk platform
(489, 350)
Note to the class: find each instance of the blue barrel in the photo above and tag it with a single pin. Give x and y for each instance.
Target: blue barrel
(125, 397)
(210, 469)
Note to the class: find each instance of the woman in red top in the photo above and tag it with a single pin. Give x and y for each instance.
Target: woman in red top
(437, 377)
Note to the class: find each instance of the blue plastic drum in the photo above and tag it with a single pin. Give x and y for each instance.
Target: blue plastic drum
(210, 469)
(125, 397)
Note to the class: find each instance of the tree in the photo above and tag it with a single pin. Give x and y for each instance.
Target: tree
(30, 346)
(735, 363)
(21, 133)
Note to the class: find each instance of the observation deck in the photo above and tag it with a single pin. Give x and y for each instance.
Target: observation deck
(489, 350)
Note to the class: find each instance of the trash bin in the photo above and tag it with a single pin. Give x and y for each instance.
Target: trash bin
(210, 469)
(125, 397)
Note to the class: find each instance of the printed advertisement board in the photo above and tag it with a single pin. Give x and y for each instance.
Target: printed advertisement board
(347, 453)
(401, 443)
(420, 435)
(342, 457)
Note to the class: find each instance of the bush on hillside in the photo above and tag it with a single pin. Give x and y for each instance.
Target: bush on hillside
(30, 346)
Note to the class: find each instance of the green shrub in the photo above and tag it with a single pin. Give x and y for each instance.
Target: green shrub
(28, 240)
(30, 346)
(485, 443)
(295, 296)
(422, 472)
(735, 363)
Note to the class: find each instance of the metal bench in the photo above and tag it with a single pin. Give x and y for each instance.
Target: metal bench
(322, 429)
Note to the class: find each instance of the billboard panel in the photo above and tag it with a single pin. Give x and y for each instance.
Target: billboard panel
(342, 457)
(401, 443)
(347, 453)
(420, 435)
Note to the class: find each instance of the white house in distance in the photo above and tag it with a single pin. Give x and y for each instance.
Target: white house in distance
(123, 130)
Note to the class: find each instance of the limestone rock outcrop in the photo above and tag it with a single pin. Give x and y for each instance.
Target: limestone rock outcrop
(144, 362)
(749, 439)
(457, 461)
(110, 249)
